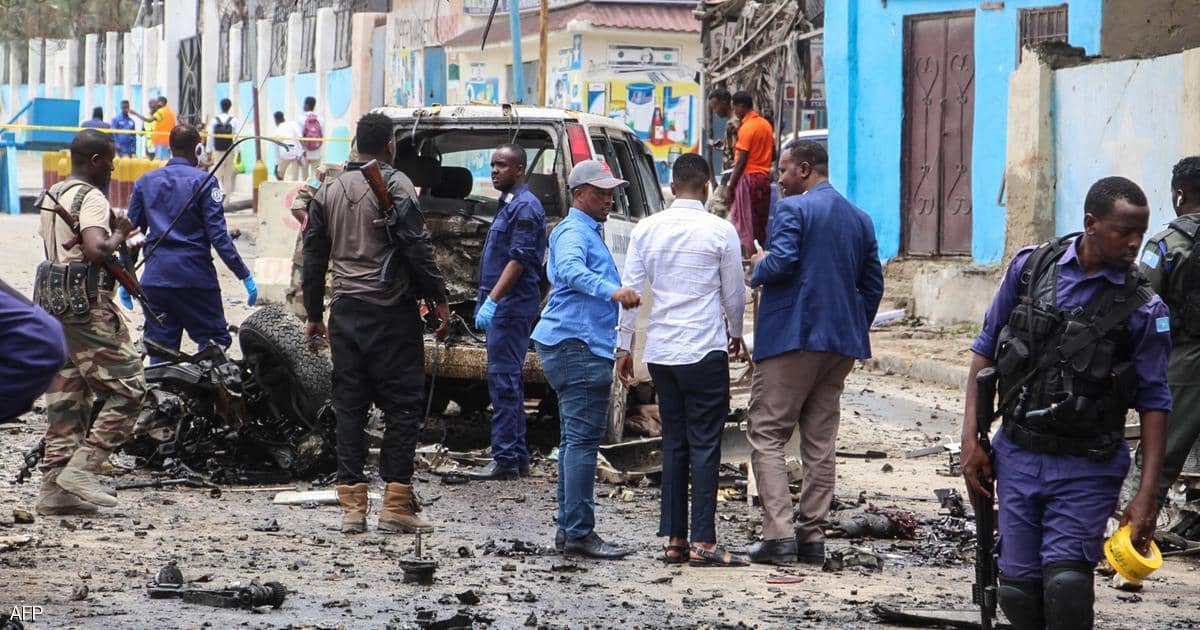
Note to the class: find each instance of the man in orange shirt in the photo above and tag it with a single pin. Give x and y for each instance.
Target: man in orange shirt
(750, 183)
(164, 122)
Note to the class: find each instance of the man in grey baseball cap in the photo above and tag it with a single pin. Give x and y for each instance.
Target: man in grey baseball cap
(576, 340)
(594, 173)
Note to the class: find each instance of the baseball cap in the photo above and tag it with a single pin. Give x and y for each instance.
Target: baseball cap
(596, 173)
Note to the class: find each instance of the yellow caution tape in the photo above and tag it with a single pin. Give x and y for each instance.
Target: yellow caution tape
(203, 134)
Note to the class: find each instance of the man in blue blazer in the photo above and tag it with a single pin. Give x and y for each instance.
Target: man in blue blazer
(821, 284)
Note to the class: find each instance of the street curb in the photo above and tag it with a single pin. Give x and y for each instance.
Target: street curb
(926, 370)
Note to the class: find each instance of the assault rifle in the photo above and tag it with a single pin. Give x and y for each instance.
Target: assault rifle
(111, 264)
(391, 218)
(34, 455)
(983, 592)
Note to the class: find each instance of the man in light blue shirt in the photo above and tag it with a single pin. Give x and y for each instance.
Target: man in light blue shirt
(576, 340)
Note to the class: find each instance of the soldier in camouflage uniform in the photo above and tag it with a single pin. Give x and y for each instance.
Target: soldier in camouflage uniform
(295, 292)
(101, 360)
(1167, 261)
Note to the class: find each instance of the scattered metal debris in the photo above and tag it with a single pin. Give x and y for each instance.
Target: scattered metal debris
(468, 597)
(852, 557)
(169, 583)
(270, 526)
(862, 454)
(922, 452)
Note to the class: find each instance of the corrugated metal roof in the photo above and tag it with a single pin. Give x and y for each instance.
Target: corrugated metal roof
(676, 18)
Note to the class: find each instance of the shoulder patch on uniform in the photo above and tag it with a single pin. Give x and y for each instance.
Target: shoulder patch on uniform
(217, 194)
(1162, 324)
(1150, 258)
(525, 224)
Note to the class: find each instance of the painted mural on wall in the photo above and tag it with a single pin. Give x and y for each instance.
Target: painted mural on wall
(566, 91)
(663, 115)
(406, 70)
(481, 89)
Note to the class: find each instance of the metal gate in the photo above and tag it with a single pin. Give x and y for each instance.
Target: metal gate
(189, 81)
(939, 118)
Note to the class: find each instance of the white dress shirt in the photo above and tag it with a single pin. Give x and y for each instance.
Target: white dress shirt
(693, 262)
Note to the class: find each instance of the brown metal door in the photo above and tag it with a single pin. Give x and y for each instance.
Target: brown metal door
(939, 105)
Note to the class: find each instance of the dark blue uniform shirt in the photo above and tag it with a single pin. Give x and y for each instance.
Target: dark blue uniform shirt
(1150, 338)
(183, 260)
(518, 233)
(32, 350)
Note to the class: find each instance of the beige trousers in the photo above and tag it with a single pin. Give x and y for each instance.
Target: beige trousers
(793, 389)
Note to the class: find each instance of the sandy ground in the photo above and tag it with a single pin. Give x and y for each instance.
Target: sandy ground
(340, 582)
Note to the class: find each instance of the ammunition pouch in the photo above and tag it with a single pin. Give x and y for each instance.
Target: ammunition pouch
(66, 290)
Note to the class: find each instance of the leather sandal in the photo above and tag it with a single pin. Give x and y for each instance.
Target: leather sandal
(681, 550)
(719, 557)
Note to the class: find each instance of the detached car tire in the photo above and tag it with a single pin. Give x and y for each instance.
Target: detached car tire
(298, 380)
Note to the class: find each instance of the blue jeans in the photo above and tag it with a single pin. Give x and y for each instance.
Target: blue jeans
(582, 381)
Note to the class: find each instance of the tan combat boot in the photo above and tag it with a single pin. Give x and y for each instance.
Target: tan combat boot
(54, 501)
(79, 476)
(355, 503)
(400, 506)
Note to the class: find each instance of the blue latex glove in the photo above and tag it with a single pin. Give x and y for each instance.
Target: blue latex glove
(483, 318)
(251, 290)
(123, 296)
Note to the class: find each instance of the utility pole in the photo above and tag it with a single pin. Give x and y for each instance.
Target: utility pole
(514, 25)
(542, 45)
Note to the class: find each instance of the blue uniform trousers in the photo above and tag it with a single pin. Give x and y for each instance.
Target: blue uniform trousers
(198, 311)
(1053, 508)
(507, 343)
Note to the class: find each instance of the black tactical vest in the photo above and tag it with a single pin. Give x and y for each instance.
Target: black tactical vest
(1067, 377)
(1185, 309)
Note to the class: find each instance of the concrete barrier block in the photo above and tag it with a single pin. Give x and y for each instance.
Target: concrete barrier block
(277, 231)
(956, 294)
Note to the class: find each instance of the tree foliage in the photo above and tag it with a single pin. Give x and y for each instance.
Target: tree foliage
(62, 19)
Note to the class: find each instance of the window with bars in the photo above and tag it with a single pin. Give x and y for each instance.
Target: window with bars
(341, 40)
(80, 63)
(249, 50)
(278, 48)
(101, 58)
(223, 52)
(119, 56)
(1045, 24)
(308, 37)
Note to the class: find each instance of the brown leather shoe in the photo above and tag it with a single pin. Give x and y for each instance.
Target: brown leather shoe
(400, 507)
(54, 501)
(355, 503)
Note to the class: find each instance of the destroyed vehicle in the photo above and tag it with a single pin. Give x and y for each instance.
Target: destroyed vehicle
(263, 417)
(446, 151)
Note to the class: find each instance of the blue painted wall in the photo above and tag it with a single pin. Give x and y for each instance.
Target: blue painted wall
(306, 85)
(1111, 132)
(337, 90)
(864, 59)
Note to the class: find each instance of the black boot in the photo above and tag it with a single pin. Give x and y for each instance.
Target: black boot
(493, 471)
(776, 551)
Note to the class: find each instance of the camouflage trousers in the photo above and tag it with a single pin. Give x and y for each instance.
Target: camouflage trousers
(295, 292)
(101, 361)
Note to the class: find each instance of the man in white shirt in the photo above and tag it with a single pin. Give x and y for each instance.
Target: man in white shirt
(222, 125)
(693, 262)
(290, 161)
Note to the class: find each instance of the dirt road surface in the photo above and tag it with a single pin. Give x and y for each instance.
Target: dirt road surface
(481, 541)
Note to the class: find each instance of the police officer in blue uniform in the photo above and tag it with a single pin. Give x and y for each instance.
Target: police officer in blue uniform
(1078, 338)
(180, 280)
(32, 351)
(509, 297)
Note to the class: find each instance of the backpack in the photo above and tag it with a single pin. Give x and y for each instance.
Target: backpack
(223, 127)
(312, 129)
